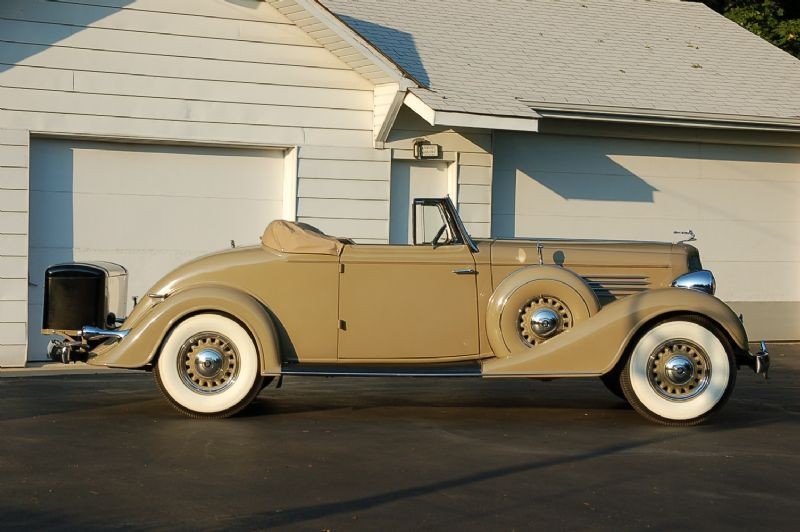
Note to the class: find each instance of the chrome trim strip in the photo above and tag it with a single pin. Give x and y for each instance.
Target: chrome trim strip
(376, 374)
(615, 277)
(435, 375)
(616, 283)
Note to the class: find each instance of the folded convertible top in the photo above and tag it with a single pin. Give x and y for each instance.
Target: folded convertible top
(294, 237)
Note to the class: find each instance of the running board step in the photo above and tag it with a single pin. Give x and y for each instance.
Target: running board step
(470, 369)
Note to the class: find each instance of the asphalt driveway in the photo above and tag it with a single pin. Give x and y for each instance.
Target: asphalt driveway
(106, 451)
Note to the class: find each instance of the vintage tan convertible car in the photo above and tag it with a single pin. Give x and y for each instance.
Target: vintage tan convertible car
(641, 316)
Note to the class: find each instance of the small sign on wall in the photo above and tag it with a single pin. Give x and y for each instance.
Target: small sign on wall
(424, 149)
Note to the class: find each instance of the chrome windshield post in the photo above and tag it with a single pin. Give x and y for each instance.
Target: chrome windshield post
(451, 217)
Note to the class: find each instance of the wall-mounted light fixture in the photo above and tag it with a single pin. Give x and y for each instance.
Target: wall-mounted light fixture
(425, 149)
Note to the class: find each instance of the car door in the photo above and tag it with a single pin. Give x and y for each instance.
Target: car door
(400, 302)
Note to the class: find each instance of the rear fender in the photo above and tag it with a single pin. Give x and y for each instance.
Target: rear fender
(594, 346)
(140, 347)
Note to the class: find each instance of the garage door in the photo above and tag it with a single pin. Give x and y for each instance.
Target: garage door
(149, 208)
(743, 202)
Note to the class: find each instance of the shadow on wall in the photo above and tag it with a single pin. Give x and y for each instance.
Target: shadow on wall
(608, 181)
(51, 220)
(401, 198)
(19, 42)
(399, 45)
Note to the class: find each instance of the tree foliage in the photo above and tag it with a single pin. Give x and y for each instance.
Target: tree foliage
(777, 21)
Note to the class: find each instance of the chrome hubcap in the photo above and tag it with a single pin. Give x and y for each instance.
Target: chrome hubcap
(208, 363)
(544, 322)
(679, 370)
(543, 318)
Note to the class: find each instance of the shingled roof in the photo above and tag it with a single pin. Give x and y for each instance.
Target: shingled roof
(516, 57)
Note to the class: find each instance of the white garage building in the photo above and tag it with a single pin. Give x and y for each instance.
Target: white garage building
(147, 132)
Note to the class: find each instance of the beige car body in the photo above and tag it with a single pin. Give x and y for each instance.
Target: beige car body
(410, 304)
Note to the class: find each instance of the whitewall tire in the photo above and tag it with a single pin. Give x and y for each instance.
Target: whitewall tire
(679, 371)
(208, 367)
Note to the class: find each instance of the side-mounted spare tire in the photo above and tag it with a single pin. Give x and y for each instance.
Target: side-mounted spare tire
(535, 304)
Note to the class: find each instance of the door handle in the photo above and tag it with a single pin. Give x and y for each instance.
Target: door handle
(465, 271)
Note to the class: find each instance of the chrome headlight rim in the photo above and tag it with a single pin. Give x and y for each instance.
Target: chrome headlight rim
(700, 280)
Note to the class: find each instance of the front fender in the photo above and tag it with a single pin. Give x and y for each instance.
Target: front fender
(594, 346)
(141, 345)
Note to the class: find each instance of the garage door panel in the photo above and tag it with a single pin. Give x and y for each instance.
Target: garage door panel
(50, 219)
(597, 156)
(180, 172)
(747, 240)
(675, 198)
(655, 163)
(188, 223)
(741, 153)
(732, 171)
(756, 281)
(149, 208)
(592, 227)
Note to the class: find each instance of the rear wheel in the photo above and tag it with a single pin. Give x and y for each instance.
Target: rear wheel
(208, 367)
(679, 372)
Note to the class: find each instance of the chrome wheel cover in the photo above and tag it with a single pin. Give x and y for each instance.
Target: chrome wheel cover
(208, 363)
(530, 325)
(679, 370)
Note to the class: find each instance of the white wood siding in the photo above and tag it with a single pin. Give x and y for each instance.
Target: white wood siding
(332, 33)
(345, 192)
(742, 201)
(468, 150)
(13, 246)
(200, 70)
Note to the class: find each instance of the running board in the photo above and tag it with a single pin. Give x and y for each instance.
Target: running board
(470, 369)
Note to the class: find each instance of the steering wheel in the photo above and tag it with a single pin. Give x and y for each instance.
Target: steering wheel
(439, 234)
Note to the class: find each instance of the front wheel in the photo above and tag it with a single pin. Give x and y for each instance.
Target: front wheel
(679, 372)
(208, 367)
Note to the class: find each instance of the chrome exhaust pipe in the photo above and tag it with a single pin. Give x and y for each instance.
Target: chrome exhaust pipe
(95, 333)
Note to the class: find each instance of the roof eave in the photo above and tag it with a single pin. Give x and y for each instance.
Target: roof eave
(351, 38)
(665, 118)
(470, 120)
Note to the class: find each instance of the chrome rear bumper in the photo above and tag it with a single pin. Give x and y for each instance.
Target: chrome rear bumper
(759, 361)
(66, 351)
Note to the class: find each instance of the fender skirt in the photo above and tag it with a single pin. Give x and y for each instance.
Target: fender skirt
(594, 346)
(139, 348)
